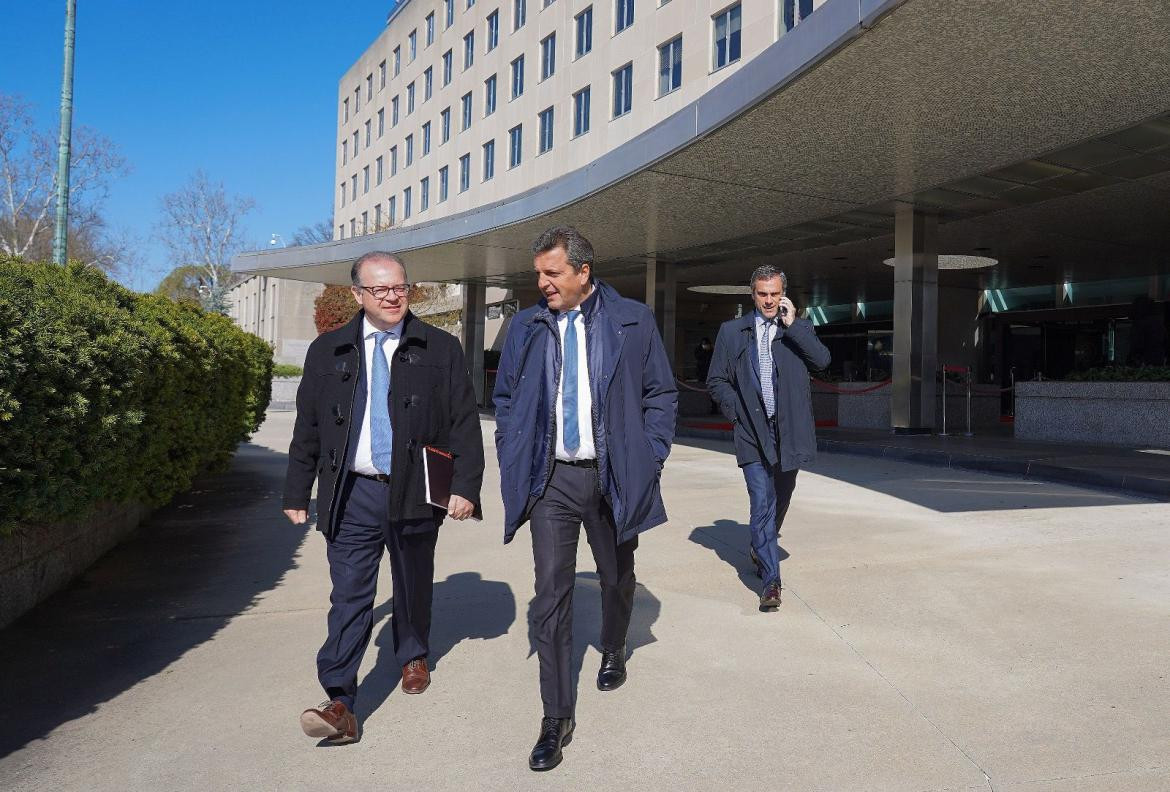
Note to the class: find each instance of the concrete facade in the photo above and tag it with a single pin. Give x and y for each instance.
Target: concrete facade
(279, 311)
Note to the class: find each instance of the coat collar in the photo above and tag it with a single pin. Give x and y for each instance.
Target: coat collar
(412, 328)
(604, 300)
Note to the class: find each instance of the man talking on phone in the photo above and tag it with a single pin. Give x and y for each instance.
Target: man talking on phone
(759, 377)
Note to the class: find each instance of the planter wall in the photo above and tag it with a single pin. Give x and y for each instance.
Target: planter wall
(1114, 413)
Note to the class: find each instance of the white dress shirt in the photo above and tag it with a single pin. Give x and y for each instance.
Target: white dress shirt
(584, 394)
(363, 460)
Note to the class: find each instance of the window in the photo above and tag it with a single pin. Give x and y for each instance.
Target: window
(726, 27)
(392, 209)
(397, 60)
(518, 77)
(424, 194)
(406, 204)
(355, 143)
(410, 99)
(794, 12)
(426, 138)
(430, 28)
(548, 56)
(378, 217)
(394, 112)
(344, 151)
(581, 112)
(493, 31)
(448, 13)
(447, 59)
(345, 107)
(669, 66)
(428, 83)
(470, 3)
(466, 111)
(353, 188)
(515, 136)
(381, 75)
(547, 3)
(341, 231)
(442, 184)
(393, 160)
(585, 31)
(519, 14)
(381, 121)
(469, 50)
(445, 125)
(409, 150)
(365, 222)
(357, 99)
(489, 160)
(352, 227)
(489, 96)
(378, 171)
(412, 45)
(546, 130)
(623, 15)
(365, 180)
(623, 85)
(369, 133)
(369, 87)
(464, 172)
(343, 193)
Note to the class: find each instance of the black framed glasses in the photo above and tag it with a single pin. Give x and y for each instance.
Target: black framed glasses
(382, 292)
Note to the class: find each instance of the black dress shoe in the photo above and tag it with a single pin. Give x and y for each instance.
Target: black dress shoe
(555, 733)
(756, 560)
(612, 673)
(770, 597)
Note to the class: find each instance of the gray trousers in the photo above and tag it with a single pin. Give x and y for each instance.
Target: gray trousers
(571, 499)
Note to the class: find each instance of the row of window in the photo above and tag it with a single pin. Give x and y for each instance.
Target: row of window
(726, 46)
(725, 31)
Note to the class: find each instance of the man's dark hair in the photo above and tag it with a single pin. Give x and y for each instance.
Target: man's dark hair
(576, 247)
(767, 272)
(355, 272)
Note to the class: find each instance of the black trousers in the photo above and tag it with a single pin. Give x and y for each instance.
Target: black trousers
(364, 532)
(571, 499)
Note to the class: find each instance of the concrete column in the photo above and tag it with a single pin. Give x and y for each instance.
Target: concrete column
(915, 321)
(471, 334)
(661, 294)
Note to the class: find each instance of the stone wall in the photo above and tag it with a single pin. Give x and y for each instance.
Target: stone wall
(38, 560)
(1114, 413)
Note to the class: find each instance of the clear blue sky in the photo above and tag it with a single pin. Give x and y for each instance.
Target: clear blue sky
(244, 90)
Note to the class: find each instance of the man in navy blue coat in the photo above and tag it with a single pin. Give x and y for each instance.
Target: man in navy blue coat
(585, 413)
(759, 378)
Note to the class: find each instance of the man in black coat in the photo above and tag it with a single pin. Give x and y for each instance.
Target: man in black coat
(759, 377)
(374, 393)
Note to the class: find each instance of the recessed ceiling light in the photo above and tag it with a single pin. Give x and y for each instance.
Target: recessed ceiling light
(949, 261)
(720, 289)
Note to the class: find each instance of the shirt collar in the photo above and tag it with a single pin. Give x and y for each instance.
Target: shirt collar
(368, 329)
(587, 305)
(761, 320)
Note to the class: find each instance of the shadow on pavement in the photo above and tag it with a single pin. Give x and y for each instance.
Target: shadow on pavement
(189, 569)
(465, 607)
(730, 540)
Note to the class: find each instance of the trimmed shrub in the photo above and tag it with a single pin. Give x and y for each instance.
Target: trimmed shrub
(111, 396)
(287, 370)
(333, 308)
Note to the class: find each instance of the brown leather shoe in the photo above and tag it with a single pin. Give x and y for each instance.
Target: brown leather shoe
(770, 597)
(416, 677)
(331, 721)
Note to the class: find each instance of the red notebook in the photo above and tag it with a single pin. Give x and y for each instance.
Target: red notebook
(438, 471)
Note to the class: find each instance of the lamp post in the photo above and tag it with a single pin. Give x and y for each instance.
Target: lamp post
(64, 141)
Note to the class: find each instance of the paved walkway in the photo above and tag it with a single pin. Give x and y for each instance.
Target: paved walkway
(941, 630)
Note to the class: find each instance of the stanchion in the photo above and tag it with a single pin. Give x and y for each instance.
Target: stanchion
(969, 433)
(943, 433)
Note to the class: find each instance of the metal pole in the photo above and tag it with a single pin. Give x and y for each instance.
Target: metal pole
(64, 142)
(1013, 373)
(943, 368)
(969, 433)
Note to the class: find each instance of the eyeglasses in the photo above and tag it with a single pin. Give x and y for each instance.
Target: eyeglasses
(382, 292)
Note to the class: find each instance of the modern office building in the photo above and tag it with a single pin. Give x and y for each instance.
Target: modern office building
(279, 311)
(973, 184)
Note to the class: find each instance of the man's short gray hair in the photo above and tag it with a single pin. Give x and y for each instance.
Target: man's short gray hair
(355, 272)
(767, 272)
(576, 247)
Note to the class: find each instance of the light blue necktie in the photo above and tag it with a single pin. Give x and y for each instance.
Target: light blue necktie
(569, 384)
(766, 385)
(381, 433)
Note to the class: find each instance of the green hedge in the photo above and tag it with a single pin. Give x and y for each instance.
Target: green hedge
(111, 396)
(287, 370)
(1122, 374)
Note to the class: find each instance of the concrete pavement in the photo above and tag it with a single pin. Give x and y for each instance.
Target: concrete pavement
(942, 629)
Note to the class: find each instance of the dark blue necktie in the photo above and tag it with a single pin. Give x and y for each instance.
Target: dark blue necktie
(766, 367)
(569, 384)
(381, 433)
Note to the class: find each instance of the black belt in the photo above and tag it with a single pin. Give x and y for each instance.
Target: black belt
(382, 477)
(581, 463)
